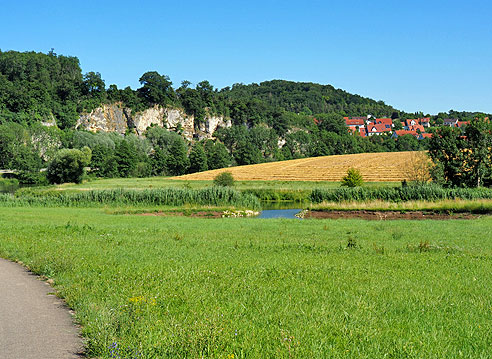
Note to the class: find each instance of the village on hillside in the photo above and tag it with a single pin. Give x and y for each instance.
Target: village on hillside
(370, 126)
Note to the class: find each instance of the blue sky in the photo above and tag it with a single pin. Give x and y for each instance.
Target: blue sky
(428, 56)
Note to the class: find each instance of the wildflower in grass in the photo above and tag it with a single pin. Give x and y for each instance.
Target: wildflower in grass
(114, 350)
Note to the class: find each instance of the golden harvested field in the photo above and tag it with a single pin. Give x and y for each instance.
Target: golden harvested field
(375, 167)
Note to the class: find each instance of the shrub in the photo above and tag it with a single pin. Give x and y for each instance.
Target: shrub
(142, 169)
(353, 178)
(8, 185)
(224, 179)
(68, 165)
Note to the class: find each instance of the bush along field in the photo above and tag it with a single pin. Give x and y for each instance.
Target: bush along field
(159, 287)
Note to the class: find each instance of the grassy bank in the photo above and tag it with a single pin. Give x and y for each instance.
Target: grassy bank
(157, 287)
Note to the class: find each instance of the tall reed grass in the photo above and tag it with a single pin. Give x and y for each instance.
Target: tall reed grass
(398, 194)
(277, 195)
(213, 196)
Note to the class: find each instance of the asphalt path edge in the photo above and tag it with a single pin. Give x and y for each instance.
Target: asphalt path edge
(34, 322)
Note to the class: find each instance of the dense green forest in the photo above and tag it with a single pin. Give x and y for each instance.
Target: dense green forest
(273, 120)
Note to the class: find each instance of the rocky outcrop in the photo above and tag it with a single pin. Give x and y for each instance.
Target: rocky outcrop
(212, 123)
(170, 118)
(116, 118)
(107, 118)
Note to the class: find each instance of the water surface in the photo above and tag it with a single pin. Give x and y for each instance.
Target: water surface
(279, 213)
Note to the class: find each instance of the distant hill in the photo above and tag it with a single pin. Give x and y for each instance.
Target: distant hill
(309, 98)
(41, 87)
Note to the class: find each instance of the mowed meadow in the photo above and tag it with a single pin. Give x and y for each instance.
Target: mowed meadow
(374, 167)
(177, 287)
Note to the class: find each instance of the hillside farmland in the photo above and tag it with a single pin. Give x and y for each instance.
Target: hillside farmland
(375, 167)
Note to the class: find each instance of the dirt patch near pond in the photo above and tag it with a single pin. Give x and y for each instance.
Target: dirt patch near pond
(201, 214)
(387, 215)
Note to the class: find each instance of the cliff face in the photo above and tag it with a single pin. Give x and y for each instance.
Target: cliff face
(116, 118)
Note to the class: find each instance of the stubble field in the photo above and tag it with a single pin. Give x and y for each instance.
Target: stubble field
(374, 167)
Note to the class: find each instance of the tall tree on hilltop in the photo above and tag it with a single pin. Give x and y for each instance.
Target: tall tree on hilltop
(156, 88)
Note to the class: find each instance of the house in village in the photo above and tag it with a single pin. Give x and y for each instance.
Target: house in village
(378, 126)
(377, 129)
(357, 125)
(451, 122)
(411, 122)
(425, 121)
(366, 126)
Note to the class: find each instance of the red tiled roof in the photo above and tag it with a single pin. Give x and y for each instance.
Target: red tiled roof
(463, 123)
(362, 132)
(354, 122)
(416, 127)
(408, 122)
(426, 135)
(386, 121)
(377, 128)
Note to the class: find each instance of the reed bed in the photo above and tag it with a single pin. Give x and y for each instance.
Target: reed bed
(214, 196)
(278, 195)
(480, 206)
(399, 194)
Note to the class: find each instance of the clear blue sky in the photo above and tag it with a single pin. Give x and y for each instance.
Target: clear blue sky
(430, 56)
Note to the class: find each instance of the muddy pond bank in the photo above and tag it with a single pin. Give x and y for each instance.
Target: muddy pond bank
(388, 215)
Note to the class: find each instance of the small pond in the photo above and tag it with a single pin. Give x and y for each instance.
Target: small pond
(282, 209)
(279, 213)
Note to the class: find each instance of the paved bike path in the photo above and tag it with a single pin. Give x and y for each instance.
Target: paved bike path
(33, 323)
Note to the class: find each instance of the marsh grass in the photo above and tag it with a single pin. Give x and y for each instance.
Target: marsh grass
(478, 206)
(182, 287)
(216, 196)
(398, 194)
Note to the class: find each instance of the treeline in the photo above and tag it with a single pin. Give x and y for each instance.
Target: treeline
(463, 157)
(28, 149)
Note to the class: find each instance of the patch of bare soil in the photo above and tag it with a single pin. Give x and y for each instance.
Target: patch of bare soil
(386, 215)
(203, 214)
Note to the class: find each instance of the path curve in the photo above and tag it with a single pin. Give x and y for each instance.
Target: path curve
(33, 323)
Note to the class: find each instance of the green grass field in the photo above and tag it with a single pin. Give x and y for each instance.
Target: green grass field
(177, 287)
(165, 182)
